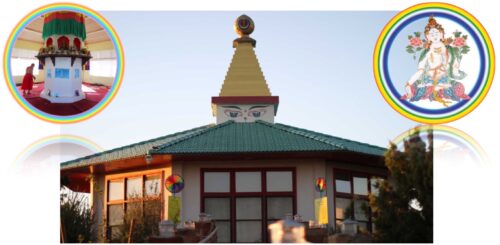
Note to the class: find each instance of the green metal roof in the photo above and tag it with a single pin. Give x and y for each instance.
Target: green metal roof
(129, 151)
(232, 137)
(260, 136)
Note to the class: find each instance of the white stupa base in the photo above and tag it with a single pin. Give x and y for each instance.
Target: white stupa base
(60, 99)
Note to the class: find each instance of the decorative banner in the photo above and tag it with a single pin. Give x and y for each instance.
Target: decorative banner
(320, 185)
(321, 210)
(174, 209)
(434, 63)
(82, 11)
(174, 183)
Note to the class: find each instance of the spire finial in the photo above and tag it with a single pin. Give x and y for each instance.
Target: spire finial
(244, 26)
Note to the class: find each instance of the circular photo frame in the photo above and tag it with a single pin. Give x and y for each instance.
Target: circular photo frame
(434, 63)
(51, 60)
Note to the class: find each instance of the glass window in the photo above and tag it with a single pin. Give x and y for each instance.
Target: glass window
(223, 231)
(249, 231)
(134, 209)
(134, 188)
(152, 186)
(279, 181)
(248, 182)
(115, 190)
(341, 204)
(219, 208)
(115, 214)
(152, 211)
(248, 208)
(342, 182)
(277, 207)
(375, 185)
(360, 185)
(216, 181)
(360, 210)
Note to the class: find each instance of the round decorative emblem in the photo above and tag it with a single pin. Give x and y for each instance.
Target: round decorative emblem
(434, 63)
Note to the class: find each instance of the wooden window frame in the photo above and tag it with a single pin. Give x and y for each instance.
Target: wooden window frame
(124, 202)
(352, 196)
(233, 195)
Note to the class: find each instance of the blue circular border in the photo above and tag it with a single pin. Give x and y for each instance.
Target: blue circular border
(390, 84)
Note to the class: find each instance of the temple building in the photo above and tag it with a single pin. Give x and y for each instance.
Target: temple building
(246, 170)
(75, 62)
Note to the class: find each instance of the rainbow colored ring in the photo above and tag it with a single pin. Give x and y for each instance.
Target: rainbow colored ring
(447, 134)
(55, 139)
(64, 7)
(409, 110)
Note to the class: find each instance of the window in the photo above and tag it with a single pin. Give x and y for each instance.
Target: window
(351, 197)
(134, 195)
(21, 59)
(244, 201)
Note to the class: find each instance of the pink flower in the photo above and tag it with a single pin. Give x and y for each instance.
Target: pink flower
(416, 42)
(458, 42)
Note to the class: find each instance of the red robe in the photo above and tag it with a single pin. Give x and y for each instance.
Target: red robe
(27, 80)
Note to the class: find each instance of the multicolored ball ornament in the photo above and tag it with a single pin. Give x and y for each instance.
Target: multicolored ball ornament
(174, 183)
(320, 184)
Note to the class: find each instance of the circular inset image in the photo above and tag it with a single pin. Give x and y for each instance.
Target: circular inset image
(434, 63)
(63, 63)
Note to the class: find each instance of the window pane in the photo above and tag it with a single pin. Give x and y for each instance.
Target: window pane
(115, 191)
(374, 182)
(216, 181)
(134, 188)
(152, 186)
(248, 182)
(219, 208)
(360, 210)
(342, 182)
(223, 231)
(360, 186)
(115, 214)
(248, 208)
(134, 210)
(340, 206)
(116, 233)
(152, 213)
(363, 227)
(279, 181)
(277, 207)
(248, 231)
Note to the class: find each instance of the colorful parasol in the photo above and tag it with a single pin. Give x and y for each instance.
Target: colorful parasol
(174, 183)
(320, 185)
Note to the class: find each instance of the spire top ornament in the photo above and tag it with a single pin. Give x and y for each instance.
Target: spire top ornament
(244, 26)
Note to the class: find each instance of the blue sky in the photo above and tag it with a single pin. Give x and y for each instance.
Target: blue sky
(319, 63)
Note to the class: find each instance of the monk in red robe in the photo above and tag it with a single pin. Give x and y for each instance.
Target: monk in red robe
(28, 80)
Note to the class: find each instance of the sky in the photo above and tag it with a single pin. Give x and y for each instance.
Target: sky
(318, 63)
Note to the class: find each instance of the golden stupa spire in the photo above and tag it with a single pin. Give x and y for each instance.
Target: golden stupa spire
(244, 76)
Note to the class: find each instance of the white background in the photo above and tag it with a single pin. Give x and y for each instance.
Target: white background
(466, 196)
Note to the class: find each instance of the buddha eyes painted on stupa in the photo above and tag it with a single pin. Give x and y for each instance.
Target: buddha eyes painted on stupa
(253, 111)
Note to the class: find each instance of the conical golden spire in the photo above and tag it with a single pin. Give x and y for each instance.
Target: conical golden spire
(244, 76)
